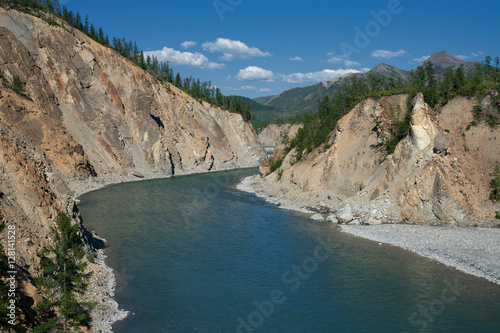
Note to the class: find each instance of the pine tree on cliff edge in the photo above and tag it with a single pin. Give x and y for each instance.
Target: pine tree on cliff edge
(63, 279)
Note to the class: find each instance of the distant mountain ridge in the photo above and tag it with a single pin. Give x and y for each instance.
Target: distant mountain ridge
(303, 100)
(389, 71)
(445, 60)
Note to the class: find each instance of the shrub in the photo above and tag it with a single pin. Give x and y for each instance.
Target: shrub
(495, 184)
(17, 85)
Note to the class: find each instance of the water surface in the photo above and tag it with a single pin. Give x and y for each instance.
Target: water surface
(194, 254)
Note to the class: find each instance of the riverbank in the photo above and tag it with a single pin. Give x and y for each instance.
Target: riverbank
(474, 251)
(102, 283)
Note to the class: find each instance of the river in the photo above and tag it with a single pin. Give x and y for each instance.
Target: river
(194, 254)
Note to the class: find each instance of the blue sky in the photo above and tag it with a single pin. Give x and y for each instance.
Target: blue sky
(256, 48)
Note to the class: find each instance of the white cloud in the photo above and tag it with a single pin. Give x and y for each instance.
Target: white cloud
(421, 59)
(248, 88)
(184, 58)
(252, 73)
(233, 49)
(187, 44)
(341, 59)
(384, 54)
(324, 75)
(472, 55)
(296, 59)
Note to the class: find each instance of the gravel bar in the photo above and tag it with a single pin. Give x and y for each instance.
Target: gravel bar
(474, 251)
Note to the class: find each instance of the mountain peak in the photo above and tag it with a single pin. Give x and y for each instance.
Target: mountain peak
(388, 71)
(380, 68)
(445, 59)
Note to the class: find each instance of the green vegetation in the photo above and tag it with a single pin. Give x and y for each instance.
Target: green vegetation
(437, 90)
(48, 10)
(276, 165)
(495, 184)
(63, 280)
(16, 85)
(400, 127)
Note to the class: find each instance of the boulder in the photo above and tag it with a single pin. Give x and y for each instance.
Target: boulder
(344, 213)
(441, 143)
(317, 217)
(333, 219)
(373, 221)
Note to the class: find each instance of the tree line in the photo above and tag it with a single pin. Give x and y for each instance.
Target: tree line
(161, 70)
(438, 89)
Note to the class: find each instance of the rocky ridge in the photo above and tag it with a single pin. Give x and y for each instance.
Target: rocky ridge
(88, 118)
(438, 175)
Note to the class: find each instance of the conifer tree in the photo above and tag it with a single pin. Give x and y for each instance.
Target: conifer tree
(63, 279)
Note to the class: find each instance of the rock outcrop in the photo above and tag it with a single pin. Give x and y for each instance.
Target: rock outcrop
(88, 117)
(439, 174)
(277, 136)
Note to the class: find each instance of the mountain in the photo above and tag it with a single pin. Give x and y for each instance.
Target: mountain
(388, 72)
(75, 116)
(299, 101)
(304, 99)
(262, 114)
(289, 98)
(444, 60)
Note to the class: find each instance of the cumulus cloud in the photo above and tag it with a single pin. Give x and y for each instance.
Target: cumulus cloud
(184, 58)
(233, 49)
(253, 73)
(421, 59)
(248, 88)
(341, 59)
(384, 54)
(472, 55)
(320, 76)
(296, 59)
(187, 44)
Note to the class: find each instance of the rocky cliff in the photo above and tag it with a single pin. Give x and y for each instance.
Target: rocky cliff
(87, 117)
(439, 174)
(277, 136)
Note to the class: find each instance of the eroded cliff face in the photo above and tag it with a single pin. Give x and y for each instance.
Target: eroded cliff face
(93, 117)
(439, 174)
(277, 136)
